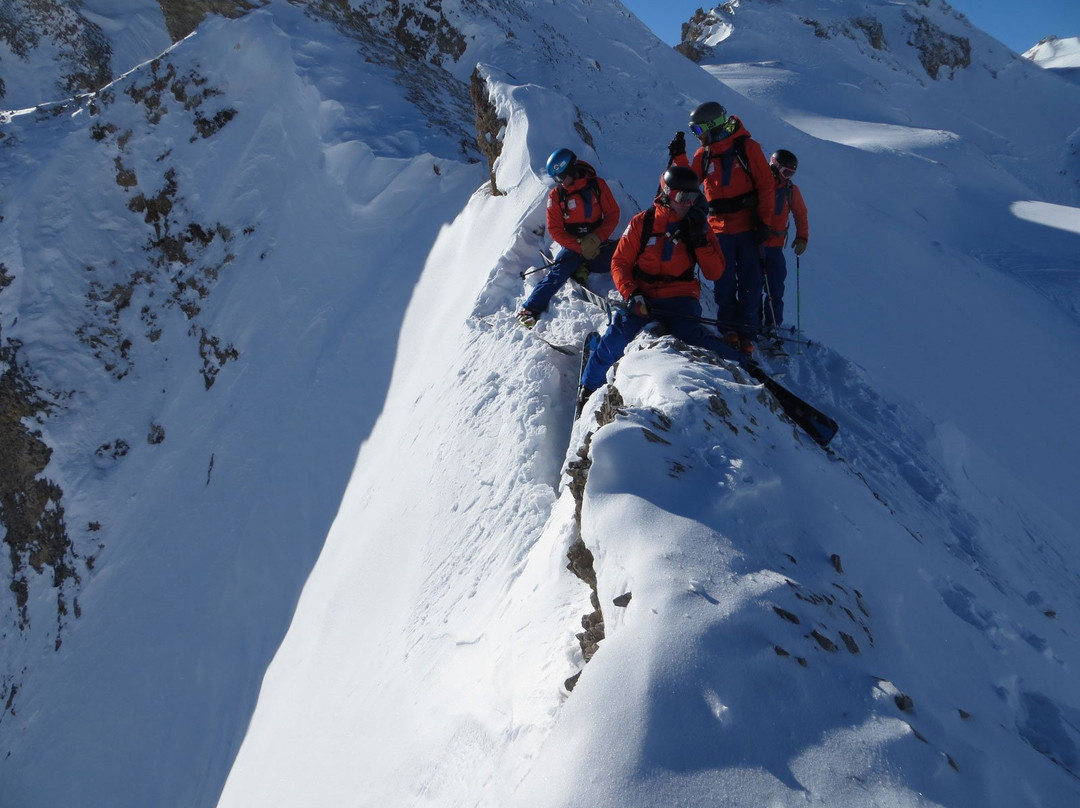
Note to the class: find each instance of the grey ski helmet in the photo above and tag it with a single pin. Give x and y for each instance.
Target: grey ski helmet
(708, 116)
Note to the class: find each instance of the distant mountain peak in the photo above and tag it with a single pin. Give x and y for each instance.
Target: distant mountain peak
(1056, 52)
(935, 34)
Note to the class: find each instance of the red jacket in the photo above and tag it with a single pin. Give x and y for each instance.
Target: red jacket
(652, 272)
(725, 180)
(584, 206)
(789, 199)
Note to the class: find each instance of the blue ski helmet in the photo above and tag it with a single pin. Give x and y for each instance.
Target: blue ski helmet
(560, 162)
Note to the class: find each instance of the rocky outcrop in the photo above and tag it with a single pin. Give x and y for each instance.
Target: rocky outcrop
(938, 50)
(83, 54)
(489, 126)
(183, 16)
(31, 505)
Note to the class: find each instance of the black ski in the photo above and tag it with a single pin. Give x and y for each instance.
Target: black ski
(563, 349)
(819, 426)
(592, 339)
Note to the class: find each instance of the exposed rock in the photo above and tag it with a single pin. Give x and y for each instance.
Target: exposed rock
(875, 32)
(183, 16)
(31, 505)
(83, 55)
(938, 49)
(489, 126)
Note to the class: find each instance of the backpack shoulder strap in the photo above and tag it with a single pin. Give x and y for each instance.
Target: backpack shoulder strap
(739, 147)
(591, 184)
(646, 228)
(740, 153)
(594, 186)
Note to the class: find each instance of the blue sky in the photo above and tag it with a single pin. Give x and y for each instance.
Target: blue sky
(1019, 28)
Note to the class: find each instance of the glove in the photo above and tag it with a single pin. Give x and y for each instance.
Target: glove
(581, 274)
(695, 228)
(762, 234)
(677, 145)
(590, 246)
(698, 238)
(799, 246)
(638, 306)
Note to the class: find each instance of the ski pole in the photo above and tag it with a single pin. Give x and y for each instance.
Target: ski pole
(768, 291)
(532, 271)
(798, 299)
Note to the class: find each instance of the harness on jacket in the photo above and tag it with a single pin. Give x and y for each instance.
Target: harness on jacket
(646, 234)
(592, 187)
(736, 153)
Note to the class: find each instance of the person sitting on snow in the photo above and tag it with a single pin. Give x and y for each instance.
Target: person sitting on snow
(581, 216)
(789, 201)
(739, 188)
(654, 270)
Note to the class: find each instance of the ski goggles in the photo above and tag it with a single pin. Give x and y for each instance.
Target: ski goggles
(683, 197)
(784, 171)
(699, 129)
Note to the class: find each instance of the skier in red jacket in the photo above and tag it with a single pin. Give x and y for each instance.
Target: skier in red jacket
(653, 269)
(581, 216)
(738, 186)
(788, 202)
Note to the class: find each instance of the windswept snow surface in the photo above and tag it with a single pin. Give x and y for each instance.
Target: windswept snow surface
(893, 622)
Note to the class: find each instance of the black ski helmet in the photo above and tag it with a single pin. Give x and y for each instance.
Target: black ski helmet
(784, 159)
(680, 178)
(707, 116)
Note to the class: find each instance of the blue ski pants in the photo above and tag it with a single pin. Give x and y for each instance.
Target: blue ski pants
(738, 292)
(565, 265)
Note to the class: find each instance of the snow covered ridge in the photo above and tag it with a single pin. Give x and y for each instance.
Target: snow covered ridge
(929, 30)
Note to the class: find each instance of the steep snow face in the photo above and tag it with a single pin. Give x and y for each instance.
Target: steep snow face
(204, 272)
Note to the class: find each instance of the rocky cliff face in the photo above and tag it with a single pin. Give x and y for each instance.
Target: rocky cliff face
(183, 16)
(77, 49)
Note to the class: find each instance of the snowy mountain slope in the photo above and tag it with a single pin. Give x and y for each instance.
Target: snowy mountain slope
(195, 325)
(937, 548)
(462, 702)
(369, 301)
